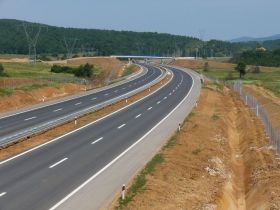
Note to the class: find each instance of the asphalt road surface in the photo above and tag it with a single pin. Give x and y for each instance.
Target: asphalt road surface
(42, 177)
(15, 123)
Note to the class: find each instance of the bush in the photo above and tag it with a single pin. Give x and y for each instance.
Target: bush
(84, 71)
(206, 67)
(255, 69)
(62, 69)
(230, 76)
(2, 71)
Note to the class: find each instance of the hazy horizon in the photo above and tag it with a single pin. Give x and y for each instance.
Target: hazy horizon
(218, 19)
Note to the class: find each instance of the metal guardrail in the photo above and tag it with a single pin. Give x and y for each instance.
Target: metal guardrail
(252, 102)
(5, 141)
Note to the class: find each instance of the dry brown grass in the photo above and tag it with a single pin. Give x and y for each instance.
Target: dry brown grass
(221, 162)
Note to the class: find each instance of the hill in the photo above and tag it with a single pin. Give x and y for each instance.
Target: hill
(251, 39)
(108, 42)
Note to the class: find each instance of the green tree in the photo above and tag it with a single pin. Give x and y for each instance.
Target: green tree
(206, 66)
(84, 71)
(1, 69)
(241, 68)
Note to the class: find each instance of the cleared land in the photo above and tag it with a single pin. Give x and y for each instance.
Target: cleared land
(221, 159)
(269, 77)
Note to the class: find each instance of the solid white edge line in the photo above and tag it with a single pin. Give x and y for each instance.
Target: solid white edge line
(119, 156)
(3, 193)
(98, 140)
(59, 162)
(87, 125)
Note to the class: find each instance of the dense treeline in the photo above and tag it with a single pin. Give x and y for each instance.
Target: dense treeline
(108, 42)
(259, 58)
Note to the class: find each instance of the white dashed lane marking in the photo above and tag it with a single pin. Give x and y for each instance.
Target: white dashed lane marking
(59, 162)
(2, 194)
(78, 103)
(139, 115)
(57, 110)
(149, 108)
(31, 118)
(97, 140)
(121, 126)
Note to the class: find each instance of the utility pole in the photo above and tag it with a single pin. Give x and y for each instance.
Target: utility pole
(69, 44)
(32, 39)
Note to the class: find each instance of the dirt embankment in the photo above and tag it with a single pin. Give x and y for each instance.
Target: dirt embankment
(269, 101)
(199, 64)
(21, 98)
(221, 159)
(111, 67)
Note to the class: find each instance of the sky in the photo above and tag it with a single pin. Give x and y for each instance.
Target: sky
(205, 19)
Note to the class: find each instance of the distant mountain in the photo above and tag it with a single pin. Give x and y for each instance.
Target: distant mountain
(251, 39)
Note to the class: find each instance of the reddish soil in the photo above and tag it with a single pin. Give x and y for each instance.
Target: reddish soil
(221, 160)
(111, 67)
(269, 101)
(21, 99)
(199, 64)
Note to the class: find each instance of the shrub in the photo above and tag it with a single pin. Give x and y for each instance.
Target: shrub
(255, 69)
(84, 71)
(2, 71)
(206, 67)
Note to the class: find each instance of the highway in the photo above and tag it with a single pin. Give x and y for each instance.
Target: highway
(10, 125)
(42, 177)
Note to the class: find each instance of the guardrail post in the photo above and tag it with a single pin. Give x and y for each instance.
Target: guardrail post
(257, 110)
(179, 127)
(76, 120)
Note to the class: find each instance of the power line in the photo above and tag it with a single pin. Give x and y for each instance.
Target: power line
(70, 44)
(32, 39)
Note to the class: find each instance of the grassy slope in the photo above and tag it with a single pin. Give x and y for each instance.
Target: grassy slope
(269, 77)
(25, 70)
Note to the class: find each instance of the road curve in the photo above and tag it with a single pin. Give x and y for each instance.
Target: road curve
(42, 177)
(13, 124)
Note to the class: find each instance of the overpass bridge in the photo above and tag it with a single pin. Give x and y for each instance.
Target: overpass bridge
(142, 57)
